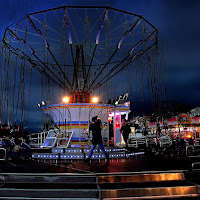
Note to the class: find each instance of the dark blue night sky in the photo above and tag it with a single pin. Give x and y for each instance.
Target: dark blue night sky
(178, 25)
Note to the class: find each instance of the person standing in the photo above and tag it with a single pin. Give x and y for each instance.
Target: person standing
(95, 127)
(125, 130)
(9, 146)
(191, 141)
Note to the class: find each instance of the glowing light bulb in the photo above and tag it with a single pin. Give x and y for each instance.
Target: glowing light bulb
(95, 99)
(66, 99)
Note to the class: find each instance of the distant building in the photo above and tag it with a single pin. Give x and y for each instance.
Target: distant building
(194, 112)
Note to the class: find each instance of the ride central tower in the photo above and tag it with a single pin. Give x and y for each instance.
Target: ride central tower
(80, 92)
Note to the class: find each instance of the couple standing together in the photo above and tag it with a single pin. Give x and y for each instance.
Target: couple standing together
(95, 127)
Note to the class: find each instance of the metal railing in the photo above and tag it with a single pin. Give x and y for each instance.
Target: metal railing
(2, 154)
(193, 153)
(137, 142)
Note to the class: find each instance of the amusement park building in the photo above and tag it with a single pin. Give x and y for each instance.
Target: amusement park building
(180, 125)
(179, 120)
(194, 112)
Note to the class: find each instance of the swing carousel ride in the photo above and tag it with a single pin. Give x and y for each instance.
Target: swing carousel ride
(81, 52)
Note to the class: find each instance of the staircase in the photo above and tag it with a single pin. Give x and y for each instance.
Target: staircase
(155, 185)
(147, 186)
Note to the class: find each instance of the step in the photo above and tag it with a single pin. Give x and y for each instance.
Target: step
(142, 185)
(183, 197)
(40, 198)
(45, 178)
(83, 193)
(78, 156)
(71, 156)
(69, 178)
(50, 186)
(53, 156)
(81, 150)
(50, 193)
(150, 189)
(41, 150)
(81, 153)
(138, 178)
